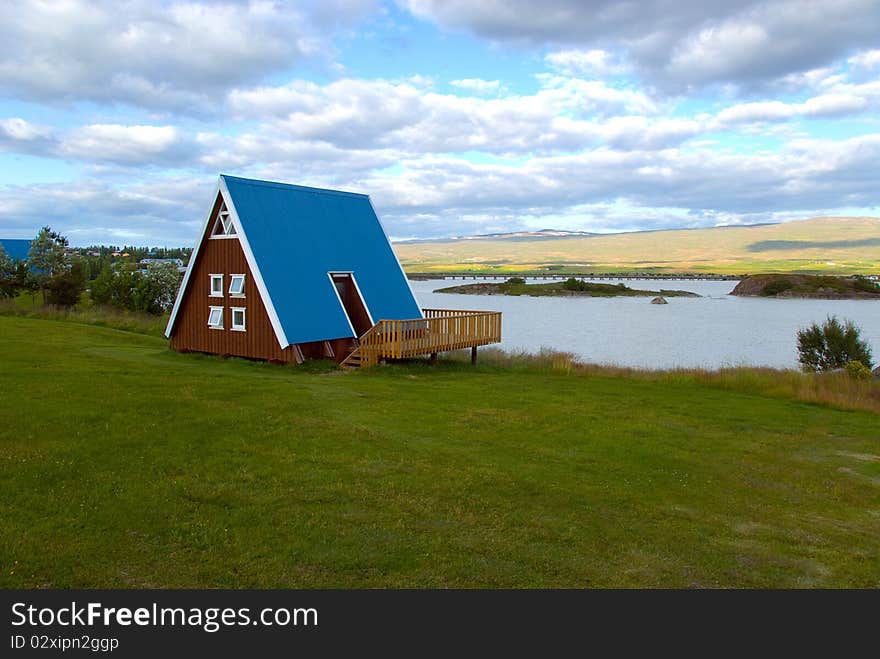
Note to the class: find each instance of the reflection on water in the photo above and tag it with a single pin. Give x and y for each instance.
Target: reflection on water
(712, 331)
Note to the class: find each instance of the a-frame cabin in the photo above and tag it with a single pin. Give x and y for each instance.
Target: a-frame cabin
(286, 273)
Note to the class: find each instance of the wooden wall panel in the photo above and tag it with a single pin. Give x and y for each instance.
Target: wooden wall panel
(191, 332)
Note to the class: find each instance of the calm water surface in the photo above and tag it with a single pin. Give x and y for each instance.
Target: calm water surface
(712, 331)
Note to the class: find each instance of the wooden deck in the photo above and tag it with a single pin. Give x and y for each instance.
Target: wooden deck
(441, 330)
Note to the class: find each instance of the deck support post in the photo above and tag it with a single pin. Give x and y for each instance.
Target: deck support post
(473, 354)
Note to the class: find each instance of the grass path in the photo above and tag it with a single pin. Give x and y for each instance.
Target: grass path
(123, 464)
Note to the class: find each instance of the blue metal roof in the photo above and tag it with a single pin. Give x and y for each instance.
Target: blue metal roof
(16, 249)
(297, 235)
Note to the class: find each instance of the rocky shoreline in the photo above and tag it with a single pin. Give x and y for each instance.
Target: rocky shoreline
(820, 287)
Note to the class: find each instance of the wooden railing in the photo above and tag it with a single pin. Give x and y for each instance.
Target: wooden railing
(440, 330)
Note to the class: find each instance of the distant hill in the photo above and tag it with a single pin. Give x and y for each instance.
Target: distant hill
(817, 245)
(514, 235)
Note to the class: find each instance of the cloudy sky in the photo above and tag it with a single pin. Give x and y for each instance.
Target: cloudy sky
(455, 116)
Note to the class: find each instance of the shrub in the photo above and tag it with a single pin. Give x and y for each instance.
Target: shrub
(831, 346)
(572, 284)
(858, 370)
(516, 280)
(64, 288)
(777, 286)
(153, 292)
(13, 275)
(864, 284)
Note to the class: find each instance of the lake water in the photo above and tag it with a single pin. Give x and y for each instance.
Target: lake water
(715, 330)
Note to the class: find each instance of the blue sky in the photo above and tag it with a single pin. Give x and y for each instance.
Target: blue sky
(457, 117)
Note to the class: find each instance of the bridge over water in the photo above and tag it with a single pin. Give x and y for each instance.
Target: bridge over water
(576, 275)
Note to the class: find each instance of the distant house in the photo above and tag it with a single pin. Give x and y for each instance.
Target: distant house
(286, 273)
(146, 263)
(16, 249)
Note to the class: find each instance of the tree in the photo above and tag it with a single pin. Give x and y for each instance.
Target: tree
(832, 345)
(47, 257)
(8, 286)
(115, 288)
(153, 292)
(164, 280)
(64, 288)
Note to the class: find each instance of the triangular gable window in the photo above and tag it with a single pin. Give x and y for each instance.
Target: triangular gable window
(224, 225)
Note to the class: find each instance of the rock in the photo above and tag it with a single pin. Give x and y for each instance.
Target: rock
(659, 300)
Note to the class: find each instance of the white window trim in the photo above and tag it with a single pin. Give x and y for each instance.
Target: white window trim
(211, 292)
(224, 226)
(243, 326)
(231, 279)
(211, 311)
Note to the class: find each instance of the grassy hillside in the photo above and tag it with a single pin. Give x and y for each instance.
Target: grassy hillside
(818, 245)
(126, 465)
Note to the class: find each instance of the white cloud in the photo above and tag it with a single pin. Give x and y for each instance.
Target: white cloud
(847, 100)
(18, 129)
(676, 43)
(178, 55)
(594, 62)
(159, 210)
(758, 111)
(829, 105)
(18, 135)
(434, 195)
(127, 144)
(869, 59)
(564, 114)
(478, 85)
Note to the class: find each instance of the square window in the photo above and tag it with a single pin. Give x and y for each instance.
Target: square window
(236, 285)
(215, 317)
(216, 285)
(238, 319)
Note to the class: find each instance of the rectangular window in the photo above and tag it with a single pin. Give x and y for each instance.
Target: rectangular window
(215, 317)
(238, 319)
(216, 285)
(236, 285)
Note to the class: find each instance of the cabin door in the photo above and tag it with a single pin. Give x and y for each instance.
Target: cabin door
(352, 302)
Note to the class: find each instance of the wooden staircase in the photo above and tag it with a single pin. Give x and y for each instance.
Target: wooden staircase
(353, 361)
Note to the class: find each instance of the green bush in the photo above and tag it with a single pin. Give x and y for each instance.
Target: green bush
(864, 284)
(776, 287)
(832, 346)
(515, 281)
(858, 370)
(64, 288)
(131, 290)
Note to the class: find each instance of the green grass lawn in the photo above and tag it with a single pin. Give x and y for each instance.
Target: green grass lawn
(123, 464)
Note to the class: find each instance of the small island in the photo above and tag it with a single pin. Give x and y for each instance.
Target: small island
(569, 288)
(823, 287)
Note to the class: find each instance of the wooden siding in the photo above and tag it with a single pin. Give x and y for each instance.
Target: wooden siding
(191, 332)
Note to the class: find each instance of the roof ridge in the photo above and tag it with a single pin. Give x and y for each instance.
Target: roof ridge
(287, 186)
